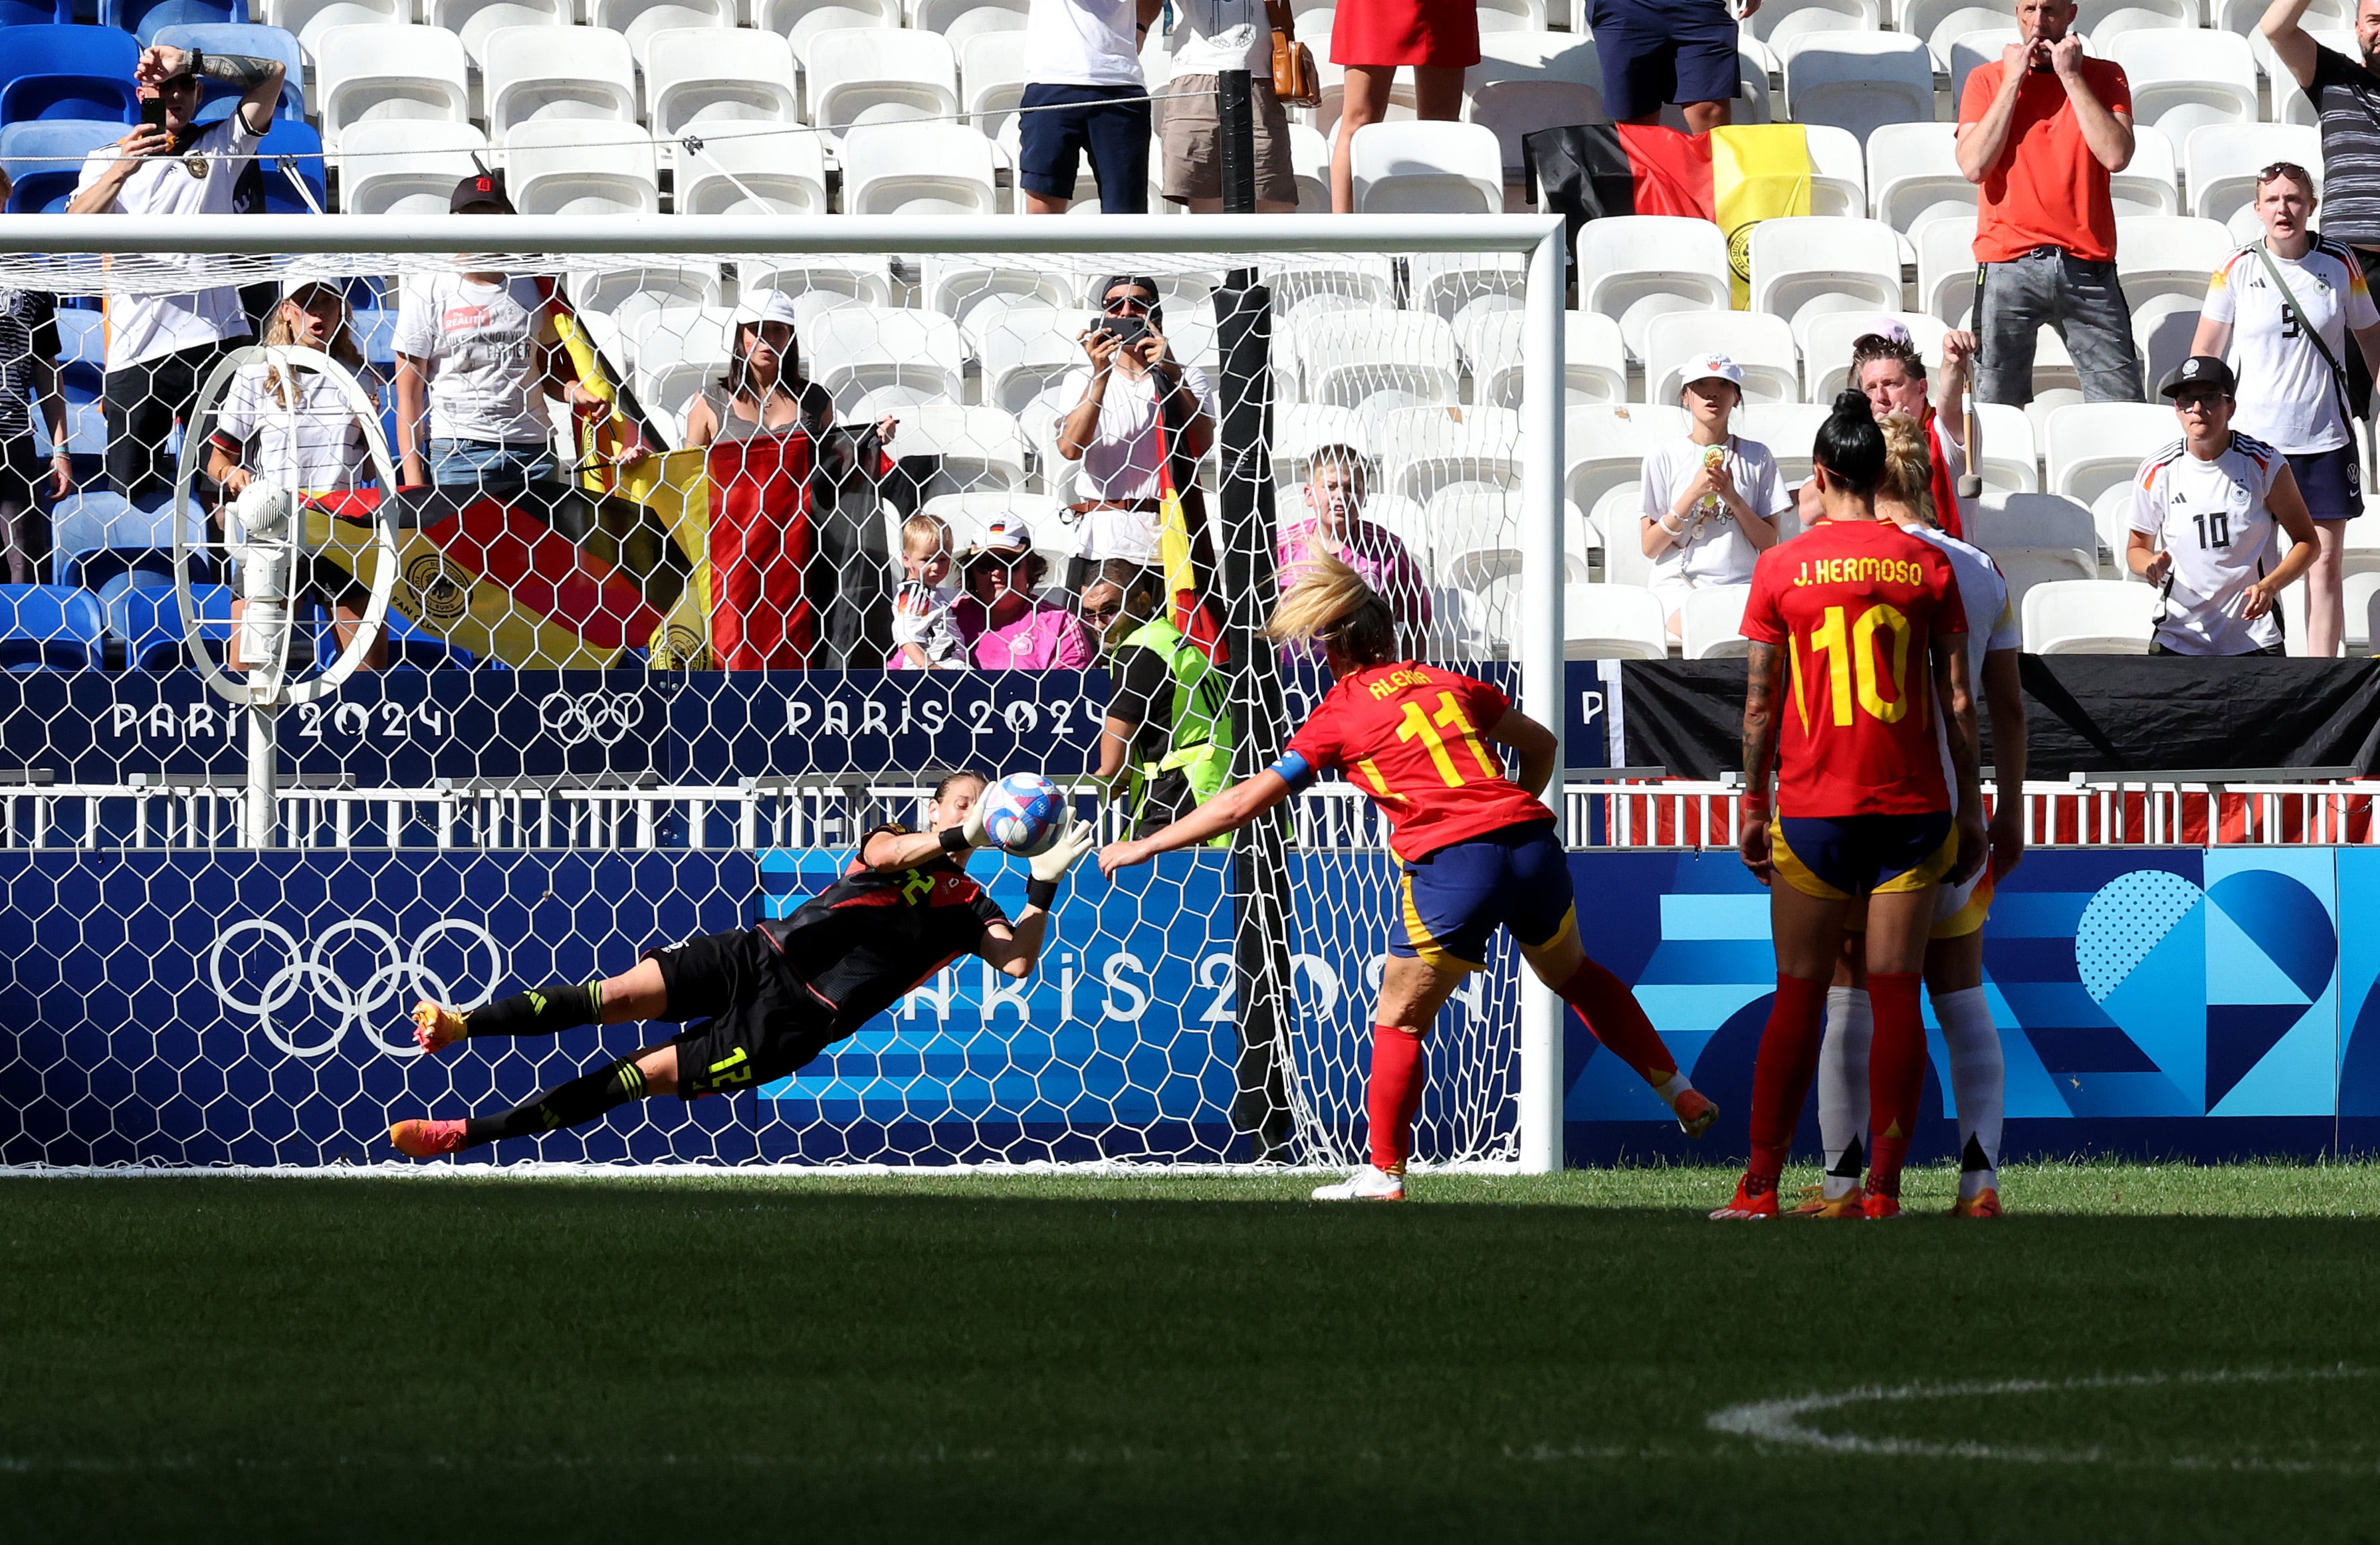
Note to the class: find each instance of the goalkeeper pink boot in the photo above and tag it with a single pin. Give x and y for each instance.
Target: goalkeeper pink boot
(427, 1139)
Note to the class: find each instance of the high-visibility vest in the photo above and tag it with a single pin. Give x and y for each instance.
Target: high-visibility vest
(1199, 726)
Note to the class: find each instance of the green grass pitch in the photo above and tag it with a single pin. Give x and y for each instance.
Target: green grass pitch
(2136, 1353)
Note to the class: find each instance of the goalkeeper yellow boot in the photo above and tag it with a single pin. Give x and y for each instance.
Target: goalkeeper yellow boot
(1815, 1203)
(435, 1027)
(427, 1139)
(1368, 1184)
(1984, 1203)
(1694, 1111)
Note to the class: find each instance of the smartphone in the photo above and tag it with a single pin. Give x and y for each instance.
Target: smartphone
(152, 112)
(1125, 330)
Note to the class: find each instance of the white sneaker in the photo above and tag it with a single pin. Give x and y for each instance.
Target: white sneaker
(1368, 1184)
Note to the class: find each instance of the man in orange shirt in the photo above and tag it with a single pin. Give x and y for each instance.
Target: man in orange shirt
(2041, 132)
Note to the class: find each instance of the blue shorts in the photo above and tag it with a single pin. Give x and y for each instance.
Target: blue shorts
(1079, 120)
(1836, 857)
(494, 467)
(1657, 52)
(2331, 482)
(1450, 902)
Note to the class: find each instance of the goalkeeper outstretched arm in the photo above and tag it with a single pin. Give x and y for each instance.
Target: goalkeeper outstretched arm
(1015, 950)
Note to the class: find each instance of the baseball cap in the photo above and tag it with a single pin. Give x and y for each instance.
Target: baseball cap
(1001, 533)
(2202, 370)
(294, 286)
(1891, 330)
(1703, 367)
(768, 305)
(480, 191)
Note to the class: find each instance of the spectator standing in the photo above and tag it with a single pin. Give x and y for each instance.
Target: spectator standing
(1712, 499)
(2041, 131)
(1334, 526)
(29, 380)
(1888, 368)
(2204, 513)
(1168, 733)
(1086, 97)
(1211, 36)
(2281, 310)
(999, 620)
(763, 393)
(1123, 397)
(1654, 53)
(1371, 38)
(161, 347)
(2346, 96)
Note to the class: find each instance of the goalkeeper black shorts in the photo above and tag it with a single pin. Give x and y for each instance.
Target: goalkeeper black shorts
(750, 1018)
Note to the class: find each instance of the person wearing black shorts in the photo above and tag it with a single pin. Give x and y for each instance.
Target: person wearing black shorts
(761, 1003)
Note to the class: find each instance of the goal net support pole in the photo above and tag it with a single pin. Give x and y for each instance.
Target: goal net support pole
(1543, 399)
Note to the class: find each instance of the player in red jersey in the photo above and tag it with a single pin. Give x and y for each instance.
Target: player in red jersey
(1840, 616)
(1478, 849)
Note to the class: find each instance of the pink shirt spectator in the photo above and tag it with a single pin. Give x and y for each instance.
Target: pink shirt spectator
(1371, 550)
(1045, 638)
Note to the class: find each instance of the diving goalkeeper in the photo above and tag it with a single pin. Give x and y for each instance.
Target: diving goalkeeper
(764, 1001)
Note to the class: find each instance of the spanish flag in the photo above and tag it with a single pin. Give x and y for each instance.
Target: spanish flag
(1736, 176)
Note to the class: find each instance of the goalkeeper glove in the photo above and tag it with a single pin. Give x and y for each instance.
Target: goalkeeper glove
(1051, 865)
(969, 833)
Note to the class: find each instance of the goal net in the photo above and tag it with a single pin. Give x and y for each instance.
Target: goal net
(629, 571)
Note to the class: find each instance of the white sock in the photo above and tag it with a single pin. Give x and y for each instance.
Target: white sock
(1978, 1082)
(1842, 1084)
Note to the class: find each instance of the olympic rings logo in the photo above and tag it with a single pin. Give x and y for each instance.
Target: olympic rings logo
(604, 718)
(311, 969)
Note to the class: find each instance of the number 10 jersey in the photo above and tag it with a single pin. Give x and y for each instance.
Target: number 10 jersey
(2210, 520)
(1856, 605)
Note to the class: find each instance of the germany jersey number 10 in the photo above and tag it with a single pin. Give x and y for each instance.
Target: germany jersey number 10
(1849, 650)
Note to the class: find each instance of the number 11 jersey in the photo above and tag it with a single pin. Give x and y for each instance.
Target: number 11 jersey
(1856, 605)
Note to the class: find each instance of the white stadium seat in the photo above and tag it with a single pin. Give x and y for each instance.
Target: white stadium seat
(1613, 622)
(859, 280)
(917, 169)
(2009, 463)
(962, 21)
(2090, 448)
(1759, 342)
(1309, 160)
(876, 75)
(1710, 623)
(1511, 15)
(1617, 521)
(1603, 448)
(1346, 358)
(2089, 617)
(1790, 430)
(1914, 177)
(2362, 598)
(1946, 269)
(309, 19)
(707, 75)
(474, 20)
(2169, 255)
(632, 293)
(799, 21)
(1594, 362)
(751, 169)
(1837, 172)
(2181, 79)
(1981, 47)
(981, 447)
(1633, 268)
(2151, 183)
(642, 20)
(2323, 16)
(557, 73)
(2035, 539)
(1858, 80)
(405, 166)
(992, 77)
(1426, 449)
(859, 350)
(1820, 263)
(973, 292)
(1427, 168)
(385, 74)
(2027, 568)
(2163, 328)
(1778, 23)
(570, 166)
(1444, 283)
(678, 351)
(1302, 428)
(2221, 161)
(1826, 339)
(2100, 21)
(1526, 81)
(1943, 23)
(1025, 350)
(1347, 282)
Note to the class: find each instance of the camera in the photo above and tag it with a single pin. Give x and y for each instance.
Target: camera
(1125, 330)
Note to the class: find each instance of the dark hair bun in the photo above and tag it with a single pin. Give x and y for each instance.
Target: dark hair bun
(1850, 404)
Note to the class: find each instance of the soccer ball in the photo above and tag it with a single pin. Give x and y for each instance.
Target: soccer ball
(1024, 814)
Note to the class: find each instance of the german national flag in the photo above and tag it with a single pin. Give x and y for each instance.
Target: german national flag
(1736, 176)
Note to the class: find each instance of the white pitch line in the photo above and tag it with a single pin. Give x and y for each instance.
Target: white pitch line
(1782, 1421)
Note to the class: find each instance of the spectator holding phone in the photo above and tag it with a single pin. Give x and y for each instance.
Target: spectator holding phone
(1132, 397)
(29, 378)
(161, 347)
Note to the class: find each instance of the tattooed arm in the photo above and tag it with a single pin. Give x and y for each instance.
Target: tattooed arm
(1761, 680)
(259, 80)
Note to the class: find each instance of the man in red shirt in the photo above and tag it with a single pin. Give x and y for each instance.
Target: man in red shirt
(2041, 132)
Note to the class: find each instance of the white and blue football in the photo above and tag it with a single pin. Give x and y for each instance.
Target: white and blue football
(1025, 813)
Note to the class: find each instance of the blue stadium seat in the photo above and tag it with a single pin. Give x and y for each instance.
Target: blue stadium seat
(99, 535)
(143, 18)
(236, 37)
(82, 367)
(299, 140)
(31, 13)
(43, 628)
(148, 621)
(44, 160)
(68, 72)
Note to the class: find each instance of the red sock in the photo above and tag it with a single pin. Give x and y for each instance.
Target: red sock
(1896, 1075)
(1618, 1021)
(1780, 1077)
(1400, 1066)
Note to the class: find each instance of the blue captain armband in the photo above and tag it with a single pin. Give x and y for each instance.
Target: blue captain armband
(1294, 770)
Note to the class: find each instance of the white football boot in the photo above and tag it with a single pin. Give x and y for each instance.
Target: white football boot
(1368, 1184)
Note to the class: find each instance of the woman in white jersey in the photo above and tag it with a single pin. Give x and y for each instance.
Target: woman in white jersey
(295, 430)
(2205, 510)
(1954, 953)
(2280, 309)
(1711, 499)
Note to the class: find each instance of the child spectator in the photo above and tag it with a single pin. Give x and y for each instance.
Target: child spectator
(925, 635)
(1334, 526)
(1711, 499)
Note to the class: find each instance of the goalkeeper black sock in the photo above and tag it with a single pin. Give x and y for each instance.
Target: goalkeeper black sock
(546, 1011)
(582, 1099)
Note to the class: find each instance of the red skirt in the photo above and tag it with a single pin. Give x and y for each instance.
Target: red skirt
(1389, 32)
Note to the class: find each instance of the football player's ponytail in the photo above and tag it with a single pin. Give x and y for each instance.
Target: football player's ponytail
(1908, 466)
(1850, 446)
(1332, 605)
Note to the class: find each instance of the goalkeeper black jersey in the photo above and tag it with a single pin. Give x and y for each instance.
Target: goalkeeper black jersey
(865, 940)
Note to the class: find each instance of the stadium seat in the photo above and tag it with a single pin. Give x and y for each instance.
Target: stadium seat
(993, 78)
(750, 169)
(709, 74)
(1787, 429)
(855, 350)
(1826, 339)
(2035, 538)
(309, 19)
(1946, 271)
(1758, 341)
(257, 42)
(2009, 463)
(1301, 429)
(67, 72)
(1858, 80)
(2183, 79)
(1837, 172)
(917, 169)
(143, 18)
(557, 75)
(2362, 599)
(41, 159)
(801, 21)
(1817, 263)
(1427, 168)
(1979, 47)
(2221, 162)
(1913, 172)
(1309, 159)
(963, 21)
(1943, 23)
(865, 281)
(1594, 362)
(571, 167)
(627, 293)
(2102, 22)
(981, 448)
(1635, 267)
(44, 627)
(404, 167)
(1603, 448)
(1342, 282)
(34, 13)
(96, 536)
(1709, 623)
(291, 145)
(2151, 183)
(678, 350)
(2088, 616)
(1426, 449)
(475, 21)
(869, 75)
(2323, 16)
(1779, 23)
(1511, 15)
(1526, 81)
(975, 293)
(1613, 622)
(640, 21)
(2164, 329)
(1347, 358)
(2169, 255)
(383, 73)
(2290, 105)
(146, 620)
(2089, 447)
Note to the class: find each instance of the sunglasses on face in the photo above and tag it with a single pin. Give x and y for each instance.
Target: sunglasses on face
(2197, 399)
(1102, 613)
(1127, 306)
